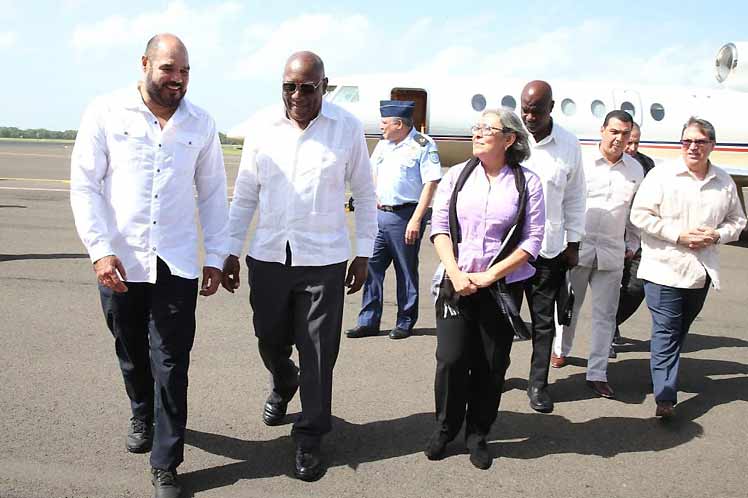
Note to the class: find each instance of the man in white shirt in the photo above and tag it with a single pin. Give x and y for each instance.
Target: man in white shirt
(138, 157)
(557, 159)
(683, 208)
(612, 178)
(293, 172)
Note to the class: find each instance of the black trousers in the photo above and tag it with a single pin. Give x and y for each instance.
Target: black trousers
(632, 289)
(301, 305)
(154, 328)
(542, 290)
(472, 355)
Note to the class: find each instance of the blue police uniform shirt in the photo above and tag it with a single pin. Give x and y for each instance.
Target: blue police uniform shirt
(401, 169)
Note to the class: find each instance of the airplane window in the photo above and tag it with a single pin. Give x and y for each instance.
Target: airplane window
(628, 107)
(478, 102)
(346, 94)
(657, 112)
(598, 109)
(509, 102)
(568, 107)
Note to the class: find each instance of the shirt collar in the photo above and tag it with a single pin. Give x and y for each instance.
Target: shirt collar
(682, 169)
(328, 110)
(552, 137)
(134, 101)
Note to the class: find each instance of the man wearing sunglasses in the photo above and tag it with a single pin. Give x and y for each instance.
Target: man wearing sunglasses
(407, 169)
(683, 208)
(293, 173)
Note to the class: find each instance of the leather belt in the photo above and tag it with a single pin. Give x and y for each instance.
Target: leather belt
(392, 209)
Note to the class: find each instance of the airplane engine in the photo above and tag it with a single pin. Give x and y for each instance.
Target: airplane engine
(730, 69)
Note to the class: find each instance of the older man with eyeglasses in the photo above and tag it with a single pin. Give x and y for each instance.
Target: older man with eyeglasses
(683, 210)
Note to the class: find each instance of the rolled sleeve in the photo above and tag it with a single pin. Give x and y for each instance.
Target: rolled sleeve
(534, 226)
(440, 210)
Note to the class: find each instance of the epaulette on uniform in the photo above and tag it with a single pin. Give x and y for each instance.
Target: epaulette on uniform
(422, 141)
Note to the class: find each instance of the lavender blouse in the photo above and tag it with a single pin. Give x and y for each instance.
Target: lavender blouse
(486, 211)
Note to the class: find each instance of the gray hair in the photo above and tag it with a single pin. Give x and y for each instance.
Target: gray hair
(705, 126)
(407, 122)
(519, 151)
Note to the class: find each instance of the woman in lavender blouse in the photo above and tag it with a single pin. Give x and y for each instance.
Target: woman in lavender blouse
(474, 338)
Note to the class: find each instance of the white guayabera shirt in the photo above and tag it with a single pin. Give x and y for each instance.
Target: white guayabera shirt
(557, 160)
(672, 200)
(132, 186)
(610, 192)
(296, 181)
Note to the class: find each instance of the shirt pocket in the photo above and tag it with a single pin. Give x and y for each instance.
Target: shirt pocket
(330, 188)
(187, 148)
(623, 192)
(128, 147)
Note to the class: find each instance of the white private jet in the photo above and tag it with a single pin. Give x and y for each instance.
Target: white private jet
(447, 108)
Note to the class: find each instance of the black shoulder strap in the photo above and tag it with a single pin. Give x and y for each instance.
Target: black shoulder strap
(454, 224)
(519, 220)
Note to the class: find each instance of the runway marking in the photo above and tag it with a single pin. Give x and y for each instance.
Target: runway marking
(37, 188)
(26, 154)
(34, 179)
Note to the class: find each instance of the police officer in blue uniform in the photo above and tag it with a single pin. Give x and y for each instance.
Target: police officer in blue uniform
(406, 170)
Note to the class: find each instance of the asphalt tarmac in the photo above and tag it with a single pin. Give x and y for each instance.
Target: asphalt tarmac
(64, 412)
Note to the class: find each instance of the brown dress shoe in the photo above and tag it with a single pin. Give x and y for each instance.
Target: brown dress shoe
(602, 388)
(557, 361)
(664, 409)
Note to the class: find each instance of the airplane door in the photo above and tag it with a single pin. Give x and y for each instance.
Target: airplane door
(630, 101)
(417, 95)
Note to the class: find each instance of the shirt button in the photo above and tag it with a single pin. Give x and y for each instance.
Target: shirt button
(155, 196)
(159, 145)
(154, 222)
(158, 171)
(155, 122)
(154, 248)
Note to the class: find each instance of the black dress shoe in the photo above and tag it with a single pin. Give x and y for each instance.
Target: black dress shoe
(601, 388)
(274, 412)
(540, 400)
(165, 483)
(398, 333)
(480, 457)
(139, 436)
(361, 331)
(437, 445)
(308, 466)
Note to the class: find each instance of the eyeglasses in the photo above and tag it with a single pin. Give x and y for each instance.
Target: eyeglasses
(302, 88)
(488, 131)
(686, 143)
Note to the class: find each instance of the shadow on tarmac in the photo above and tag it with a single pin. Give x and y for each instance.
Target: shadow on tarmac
(514, 435)
(21, 257)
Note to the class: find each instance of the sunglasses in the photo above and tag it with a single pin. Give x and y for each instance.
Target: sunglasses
(303, 88)
(686, 143)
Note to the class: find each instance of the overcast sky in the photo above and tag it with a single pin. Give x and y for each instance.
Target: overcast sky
(58, 55)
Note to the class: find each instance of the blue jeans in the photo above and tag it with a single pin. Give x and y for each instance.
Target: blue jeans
(673, 310)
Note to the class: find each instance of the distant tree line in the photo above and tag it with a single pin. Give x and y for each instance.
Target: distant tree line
(13, 132)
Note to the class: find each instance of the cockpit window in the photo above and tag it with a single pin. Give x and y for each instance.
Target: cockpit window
(346, 94)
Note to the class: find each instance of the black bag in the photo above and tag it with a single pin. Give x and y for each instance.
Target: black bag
(447, 297)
